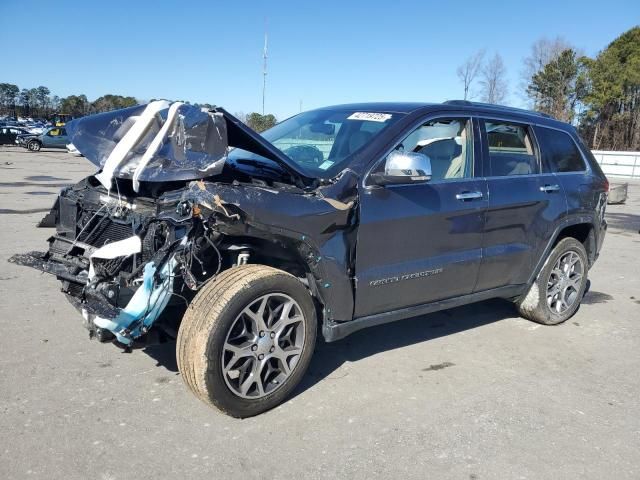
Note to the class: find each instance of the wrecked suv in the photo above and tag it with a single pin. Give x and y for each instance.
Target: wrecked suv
(243, 246)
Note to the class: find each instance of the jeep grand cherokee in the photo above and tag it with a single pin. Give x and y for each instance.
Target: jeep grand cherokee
(243, 246)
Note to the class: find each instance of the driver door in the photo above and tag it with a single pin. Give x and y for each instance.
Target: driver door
(420, 243)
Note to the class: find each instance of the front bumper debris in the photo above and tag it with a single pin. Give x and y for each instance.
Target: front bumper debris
(116, 263)
(127, 323)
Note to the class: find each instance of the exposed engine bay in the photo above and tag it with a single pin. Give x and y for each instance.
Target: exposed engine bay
(165, 215)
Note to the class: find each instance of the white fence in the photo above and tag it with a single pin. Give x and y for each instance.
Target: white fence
(619, 164)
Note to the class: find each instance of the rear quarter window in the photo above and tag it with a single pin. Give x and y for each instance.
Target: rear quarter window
(559, 151)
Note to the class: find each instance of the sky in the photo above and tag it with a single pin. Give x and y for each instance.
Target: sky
(319, 53)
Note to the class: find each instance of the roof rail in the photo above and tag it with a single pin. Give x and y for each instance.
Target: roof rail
(493, 106)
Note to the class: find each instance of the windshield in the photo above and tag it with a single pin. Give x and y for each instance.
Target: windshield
(321, 142)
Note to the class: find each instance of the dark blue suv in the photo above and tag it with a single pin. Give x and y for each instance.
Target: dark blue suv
(334, 220)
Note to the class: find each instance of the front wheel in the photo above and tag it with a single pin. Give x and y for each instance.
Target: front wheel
(247, 339)
(558, 290)
(34, 146)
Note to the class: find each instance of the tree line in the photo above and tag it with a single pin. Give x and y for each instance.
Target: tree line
(39, 103)
(600, 95)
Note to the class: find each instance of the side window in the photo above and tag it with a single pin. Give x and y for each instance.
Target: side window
(560, 151)
(449, 145)
(63, 131)
(510, 149)
(54, 132)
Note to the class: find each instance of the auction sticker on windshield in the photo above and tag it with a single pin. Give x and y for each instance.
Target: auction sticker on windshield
(370, 116)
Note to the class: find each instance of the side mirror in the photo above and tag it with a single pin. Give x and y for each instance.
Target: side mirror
(404, 167)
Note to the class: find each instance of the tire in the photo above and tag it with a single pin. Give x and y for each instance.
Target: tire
(558, 290)
(34, 146)
(222, 316)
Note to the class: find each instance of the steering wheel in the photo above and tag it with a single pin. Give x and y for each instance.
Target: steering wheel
(308, 155)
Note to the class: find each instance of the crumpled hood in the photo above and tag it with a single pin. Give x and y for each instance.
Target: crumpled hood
(155, 142)
(163, 141)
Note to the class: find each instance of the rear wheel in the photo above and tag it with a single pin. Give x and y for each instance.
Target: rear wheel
(34, 146)
(558, 290)
(247, 339)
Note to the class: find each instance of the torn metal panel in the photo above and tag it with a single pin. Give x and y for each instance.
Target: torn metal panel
(319, 226)
(153, 143)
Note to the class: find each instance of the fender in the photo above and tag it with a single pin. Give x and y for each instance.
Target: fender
(567, 222)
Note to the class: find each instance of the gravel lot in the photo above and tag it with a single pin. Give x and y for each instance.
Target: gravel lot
(469, 393)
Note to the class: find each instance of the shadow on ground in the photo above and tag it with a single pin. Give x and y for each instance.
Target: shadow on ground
(328, 357)
(624, 221)
(164, 354)
(593, 297)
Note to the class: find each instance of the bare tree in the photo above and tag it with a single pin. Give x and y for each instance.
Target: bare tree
(468, 71)
(543, 51)
(241, 116)
(493, 81)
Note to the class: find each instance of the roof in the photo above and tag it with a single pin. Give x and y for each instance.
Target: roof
(410, 107)
(391, 107)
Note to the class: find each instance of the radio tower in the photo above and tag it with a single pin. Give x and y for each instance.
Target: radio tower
(264, 66)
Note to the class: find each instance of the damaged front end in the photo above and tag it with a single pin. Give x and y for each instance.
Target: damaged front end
(164, 216)
(122, 261)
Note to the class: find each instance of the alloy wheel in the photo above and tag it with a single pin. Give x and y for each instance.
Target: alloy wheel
(263, 346)
(564, 282)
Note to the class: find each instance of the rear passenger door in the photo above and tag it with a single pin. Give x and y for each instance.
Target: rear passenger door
(562, 157)
(525, 204)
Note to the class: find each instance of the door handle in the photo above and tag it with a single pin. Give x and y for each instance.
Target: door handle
(550, 188)
(468, 196)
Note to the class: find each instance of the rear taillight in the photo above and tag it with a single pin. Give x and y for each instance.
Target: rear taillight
(606, 185)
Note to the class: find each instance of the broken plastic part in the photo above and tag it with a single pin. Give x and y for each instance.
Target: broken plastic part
(122, 248)
(145, 306)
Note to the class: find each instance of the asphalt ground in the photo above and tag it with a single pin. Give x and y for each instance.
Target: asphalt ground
(469, 393)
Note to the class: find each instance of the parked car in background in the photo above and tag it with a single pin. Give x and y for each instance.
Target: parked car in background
(35, 128)
(54, 137)
(8, 135)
